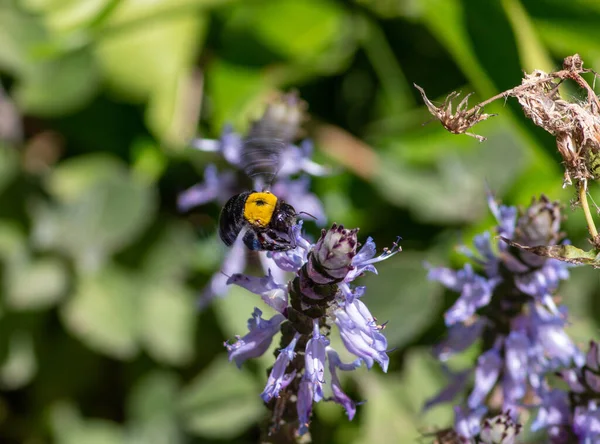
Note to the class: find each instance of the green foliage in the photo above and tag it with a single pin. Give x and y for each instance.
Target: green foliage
(100, 338)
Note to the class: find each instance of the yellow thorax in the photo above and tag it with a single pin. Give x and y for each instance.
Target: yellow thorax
(259, 208)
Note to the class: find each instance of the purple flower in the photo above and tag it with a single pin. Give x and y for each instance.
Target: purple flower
(315, 361)
(339, 396)
(257, 341)
(476, 291)
(507, 303)
(361, 335)
(487, 371)
(304, 405)
(321, 294)
(468, 422)
(586, 422)
(278, 379)
(272, 293)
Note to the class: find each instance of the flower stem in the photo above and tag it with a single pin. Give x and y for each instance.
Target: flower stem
(586, 211)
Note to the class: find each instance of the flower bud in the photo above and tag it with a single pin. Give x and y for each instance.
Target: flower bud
(331, 258)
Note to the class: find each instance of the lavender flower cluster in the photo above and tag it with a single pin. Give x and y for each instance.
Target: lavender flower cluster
(320, 295)
(508, 305)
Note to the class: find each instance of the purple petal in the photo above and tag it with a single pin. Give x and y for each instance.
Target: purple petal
(339, 396)
(234, 262)
(505, 216)
(458, 382)
(586, 423)
(553, 411)
(476, 292)
(486, 375)
(460, 337)
(272, 293)
(361, 335)
(278, 379)
(516, 347)
(467, 423)
(304, 405)
(315, 361)
(293, 260)
(592, 358)
(257, 341)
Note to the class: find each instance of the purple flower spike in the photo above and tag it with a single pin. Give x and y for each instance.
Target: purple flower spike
(304, 405)
(278, 379)
(257, 341)
(361, 335)
(339, 396)
(315, 361)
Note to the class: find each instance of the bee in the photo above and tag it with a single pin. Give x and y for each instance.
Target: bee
(264, 219)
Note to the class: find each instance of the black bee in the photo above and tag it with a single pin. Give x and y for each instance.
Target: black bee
(267, 221)
(264, 220)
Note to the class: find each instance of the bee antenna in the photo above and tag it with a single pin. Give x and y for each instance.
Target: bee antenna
(308, 214)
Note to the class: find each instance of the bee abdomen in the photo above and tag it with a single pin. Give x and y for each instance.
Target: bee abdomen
(231, 220)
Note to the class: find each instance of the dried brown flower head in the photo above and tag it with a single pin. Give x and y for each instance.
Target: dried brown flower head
(461, 120)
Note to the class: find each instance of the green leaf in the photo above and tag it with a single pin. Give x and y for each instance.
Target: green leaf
(401, 294)
(221, 402)
(35, 285)
(235, 90)
(20, 365)
(18, 33)
(151, 409)
(104, 312)
(168, 323)
(144, 59)
(298, 28)
(73, 178)
(100, 213)
(443, 182)
(393, 412)
(58, 86)
(171, 253)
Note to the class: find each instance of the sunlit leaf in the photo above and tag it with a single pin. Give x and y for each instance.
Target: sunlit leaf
(168, 323)
(104, 312)
(152, 410)
(102, 213)
(60, 85)
(37, 284)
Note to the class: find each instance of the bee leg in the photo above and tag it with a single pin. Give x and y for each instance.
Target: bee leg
(251, 240)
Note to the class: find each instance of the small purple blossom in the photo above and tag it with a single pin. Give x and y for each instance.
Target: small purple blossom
(278, 379)
(339, 396)
(361, 334)
(257, 341)
(315, 361)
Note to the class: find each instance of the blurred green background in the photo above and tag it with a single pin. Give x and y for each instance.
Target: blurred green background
(100, 338)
